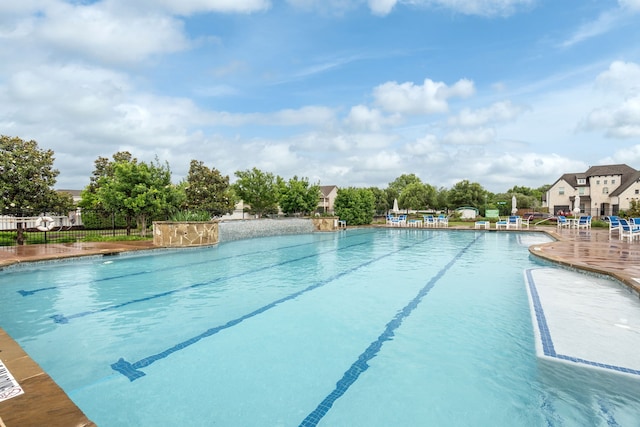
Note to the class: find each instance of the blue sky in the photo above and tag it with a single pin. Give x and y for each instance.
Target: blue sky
(344, 92)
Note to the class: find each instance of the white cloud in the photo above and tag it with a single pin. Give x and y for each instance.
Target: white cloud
(423, 146)
(479, 136)
(620, 122)
(631, 5)
(110, 34)
(188, 7)
(620, 116)
(606, 21)
(431, 97)
(621, 77)
(629, 155)
(384, 7)
(380, 161)
(362, 117)
(481, 7)
(381, 7)
(503, 111)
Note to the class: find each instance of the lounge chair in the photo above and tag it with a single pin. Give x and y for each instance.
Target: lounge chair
(513, 222)
(524, 222)
(628, 230)
(443, 221)
(501, 223)
(614, 225)
(562, 222)
(429, 221)
(584, 222)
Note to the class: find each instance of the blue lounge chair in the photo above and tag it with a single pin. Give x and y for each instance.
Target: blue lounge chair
(513, 222)
(628, 230)
(429, 221)
(614, 225)
(501, 223)
(584, 222)
(562, 222)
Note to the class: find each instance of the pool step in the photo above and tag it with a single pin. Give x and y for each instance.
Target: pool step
(584, 320)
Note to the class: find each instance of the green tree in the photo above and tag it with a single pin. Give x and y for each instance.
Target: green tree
(297, 196)
(207, 190)
(103, 168)
(634, 209)
(381, 200)
(27, 178)
(466, 193)
(356, 206)
(139, 190)
(442, 198)
(417, 196)
(257, 188)
(394, 190)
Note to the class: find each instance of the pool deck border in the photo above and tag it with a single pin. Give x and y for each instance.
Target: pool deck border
(44, 401)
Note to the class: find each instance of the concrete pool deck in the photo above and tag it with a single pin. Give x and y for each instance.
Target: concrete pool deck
(44, 403)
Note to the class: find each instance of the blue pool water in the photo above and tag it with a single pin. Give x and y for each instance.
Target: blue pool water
(386, 327)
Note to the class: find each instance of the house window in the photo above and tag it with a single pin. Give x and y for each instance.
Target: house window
(597, 182)
(561, 190)
(605, 190)
(605, 182)
(613, 181)
(581, 181)
(581, 191)
(637, 191)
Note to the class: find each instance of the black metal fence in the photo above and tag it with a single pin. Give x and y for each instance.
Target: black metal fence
(39, 227)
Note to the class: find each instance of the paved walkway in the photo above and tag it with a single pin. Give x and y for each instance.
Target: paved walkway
(44, 403)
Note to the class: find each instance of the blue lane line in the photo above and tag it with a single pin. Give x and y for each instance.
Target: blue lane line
(132, 370)
(62, 319)
(545, 334)
(26, 293)
(361, 365)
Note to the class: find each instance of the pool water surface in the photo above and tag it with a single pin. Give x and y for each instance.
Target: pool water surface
(365, 327)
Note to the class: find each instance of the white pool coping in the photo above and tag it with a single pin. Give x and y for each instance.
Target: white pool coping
(584, 320)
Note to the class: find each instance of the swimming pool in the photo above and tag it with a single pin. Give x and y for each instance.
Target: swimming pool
(369, 327)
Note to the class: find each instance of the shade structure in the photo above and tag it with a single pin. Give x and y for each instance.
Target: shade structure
(514, 208)
(395, 206)
(576, 205)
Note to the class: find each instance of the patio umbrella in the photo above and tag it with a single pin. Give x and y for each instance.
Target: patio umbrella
(395, 206)
(576, 205)
(514, 208)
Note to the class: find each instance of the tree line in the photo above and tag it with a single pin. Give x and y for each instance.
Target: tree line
(143, 191)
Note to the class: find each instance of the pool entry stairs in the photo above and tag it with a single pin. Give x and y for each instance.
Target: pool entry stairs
(584, 320)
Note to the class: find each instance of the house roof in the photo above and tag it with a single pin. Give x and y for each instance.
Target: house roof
(626, 183)
(605, 170)
(628, 176)
(327, 189)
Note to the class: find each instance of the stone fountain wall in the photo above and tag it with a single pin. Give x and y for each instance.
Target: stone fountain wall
(195, 233)
(185, 233)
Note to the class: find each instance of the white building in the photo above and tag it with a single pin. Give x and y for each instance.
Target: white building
(602, 190)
